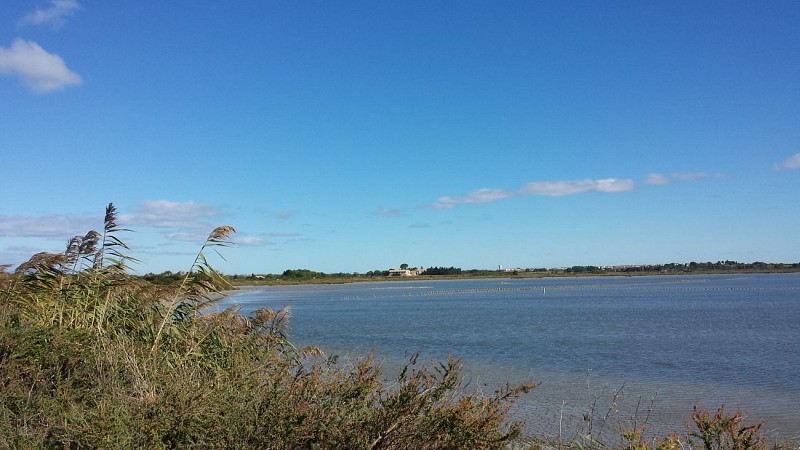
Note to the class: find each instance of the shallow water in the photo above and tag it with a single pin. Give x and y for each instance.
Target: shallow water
(599, 346)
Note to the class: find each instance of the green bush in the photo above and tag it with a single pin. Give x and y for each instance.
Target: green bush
(92, 357)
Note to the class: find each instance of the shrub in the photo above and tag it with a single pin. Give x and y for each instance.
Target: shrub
(92, 357)
(725, 432)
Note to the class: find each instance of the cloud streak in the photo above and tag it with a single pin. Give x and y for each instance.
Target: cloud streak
(561, 188)
(169, 214)
(486, 195)
(657, 179)
(691, 176)
(56, 15)
(792, 162)
(196, 236)
(248, 241)
(40, 70)
(540, 188)
(49, 226)
(389, 212)
(661, 179)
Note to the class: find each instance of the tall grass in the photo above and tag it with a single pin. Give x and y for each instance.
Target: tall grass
(92, 357)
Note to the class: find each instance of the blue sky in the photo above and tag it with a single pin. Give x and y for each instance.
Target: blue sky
(354, 136)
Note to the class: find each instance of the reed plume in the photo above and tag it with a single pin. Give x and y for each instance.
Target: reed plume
(93, 357)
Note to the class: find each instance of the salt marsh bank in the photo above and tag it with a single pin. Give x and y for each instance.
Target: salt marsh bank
(598, 346)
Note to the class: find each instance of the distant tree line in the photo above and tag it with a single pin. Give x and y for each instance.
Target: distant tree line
(301, 274)
(169, 277)
(442, 271)
(583, 269)
(719, 266)
(164, 278)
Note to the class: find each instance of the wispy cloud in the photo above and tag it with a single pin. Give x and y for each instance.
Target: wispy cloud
(169, 214)
(279, 215)
(389, 212)
(792, 162)
(544, 188)
(690, 176)
(197, 236)
(561, 188)
(40, 70)
(248, 241)
(49, 226)
(486, 195)
(661, 179)
(15, 254)
(55, 15)
(657, 178)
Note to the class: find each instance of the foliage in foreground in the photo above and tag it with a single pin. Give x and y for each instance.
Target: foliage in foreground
(91, 357)
(706, 431)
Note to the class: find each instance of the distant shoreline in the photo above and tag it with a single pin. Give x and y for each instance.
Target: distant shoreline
(332, 279)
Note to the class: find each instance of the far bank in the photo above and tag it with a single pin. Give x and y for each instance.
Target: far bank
(290, 277)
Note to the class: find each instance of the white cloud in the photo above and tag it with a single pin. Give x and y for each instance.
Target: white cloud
(55, 15)
(561, 188)
(169, 214)
(657, 178)
(16, 254)
(49, 226)
(198, 237)
(661, 179)
(792, 162)
(250, 241)
(613, 185)
(389, 212)
(486, 195)
(690, 176)
(42, 71)
(547, 188)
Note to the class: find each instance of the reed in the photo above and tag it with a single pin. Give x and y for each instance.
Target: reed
(92, 357)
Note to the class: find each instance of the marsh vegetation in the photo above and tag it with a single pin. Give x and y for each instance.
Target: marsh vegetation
(93, 357)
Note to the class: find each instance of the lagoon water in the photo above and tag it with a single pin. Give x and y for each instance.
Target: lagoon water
(607, 352)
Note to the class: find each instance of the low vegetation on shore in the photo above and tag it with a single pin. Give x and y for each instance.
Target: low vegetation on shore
(93, 357)
(306, 276)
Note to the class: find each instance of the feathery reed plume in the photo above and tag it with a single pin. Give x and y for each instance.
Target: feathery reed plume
(81, 248)
(110, 244)
(78, 370)
(200, 280)
(43, 271)
(89, 243)
(72, 252)
(42, 262)
(220, 234)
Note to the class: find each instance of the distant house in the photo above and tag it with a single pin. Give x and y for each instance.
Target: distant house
(405, 272)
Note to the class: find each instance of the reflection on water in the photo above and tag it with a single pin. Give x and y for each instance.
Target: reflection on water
(614, 343)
